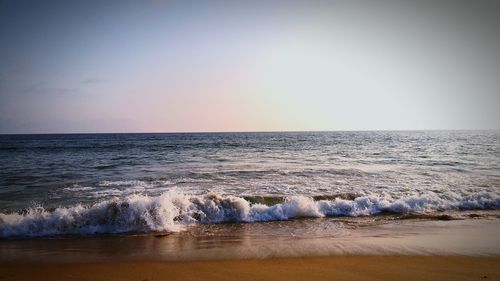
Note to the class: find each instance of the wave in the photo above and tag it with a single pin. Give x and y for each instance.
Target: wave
(172, 211)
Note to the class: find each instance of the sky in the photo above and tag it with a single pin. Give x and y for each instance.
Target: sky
(190, 66)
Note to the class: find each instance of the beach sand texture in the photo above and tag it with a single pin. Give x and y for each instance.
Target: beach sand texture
(311, 268)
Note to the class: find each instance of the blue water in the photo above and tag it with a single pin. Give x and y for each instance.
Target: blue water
(100, 183)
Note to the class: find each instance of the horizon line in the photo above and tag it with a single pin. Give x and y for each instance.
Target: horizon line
(236, 132)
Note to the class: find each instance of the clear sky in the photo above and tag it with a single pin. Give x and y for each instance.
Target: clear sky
(169, 66)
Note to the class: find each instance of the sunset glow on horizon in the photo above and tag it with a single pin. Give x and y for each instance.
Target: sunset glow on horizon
(167, 66)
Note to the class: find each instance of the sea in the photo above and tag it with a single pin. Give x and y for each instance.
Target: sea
(58, 185)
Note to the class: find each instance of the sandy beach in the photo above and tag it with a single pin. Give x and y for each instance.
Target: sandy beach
(408, 250)
(311, 268)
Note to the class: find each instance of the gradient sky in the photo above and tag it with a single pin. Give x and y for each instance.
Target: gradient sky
(167, 66)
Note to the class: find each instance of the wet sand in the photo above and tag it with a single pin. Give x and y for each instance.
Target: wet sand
(298, 238)
(310, 268)
(316, 249)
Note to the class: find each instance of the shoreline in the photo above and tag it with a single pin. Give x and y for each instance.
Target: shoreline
(302, 268)
(308, 249)
(361, 236)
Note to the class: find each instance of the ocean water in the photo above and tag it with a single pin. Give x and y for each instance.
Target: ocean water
(85, 184)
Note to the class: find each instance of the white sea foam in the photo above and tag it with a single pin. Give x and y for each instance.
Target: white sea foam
(123, 183)
(77, 187)
(173, 210)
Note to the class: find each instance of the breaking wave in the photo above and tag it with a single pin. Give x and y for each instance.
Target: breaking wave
(172, 211)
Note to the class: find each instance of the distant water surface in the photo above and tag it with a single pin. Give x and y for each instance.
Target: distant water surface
(108, 183)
